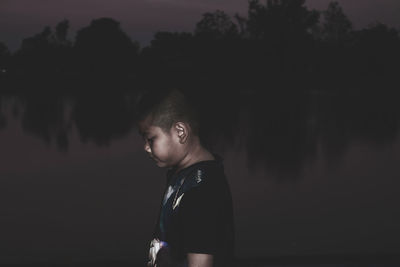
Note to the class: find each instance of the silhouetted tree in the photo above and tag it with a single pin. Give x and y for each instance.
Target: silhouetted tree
(61, 33)
(40, 41)
(103, 48)
(280, 19)
(217, 47)
(170, 56)
(35, 55)
(335, 46)
(4, 50)
(47, 38)
(241, 25)
(4, 58)
(46, 55)
(336, 25)
(170, 45)
(283, 44)
(216, 25)
(378, 50)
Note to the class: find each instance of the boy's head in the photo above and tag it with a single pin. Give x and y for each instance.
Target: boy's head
(168, 125)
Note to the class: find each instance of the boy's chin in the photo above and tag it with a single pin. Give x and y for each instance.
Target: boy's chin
(163, 165)
(160, 164)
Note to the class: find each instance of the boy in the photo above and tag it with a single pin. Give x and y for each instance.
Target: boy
(195, 225)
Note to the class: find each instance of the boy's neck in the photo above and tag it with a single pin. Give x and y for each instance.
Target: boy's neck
(199, 153)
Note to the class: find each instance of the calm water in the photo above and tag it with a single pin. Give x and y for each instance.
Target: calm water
(309, 177)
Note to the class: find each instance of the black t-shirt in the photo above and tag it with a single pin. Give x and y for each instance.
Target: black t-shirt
(196, 213)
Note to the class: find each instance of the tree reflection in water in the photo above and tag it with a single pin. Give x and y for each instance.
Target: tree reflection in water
(279, 132)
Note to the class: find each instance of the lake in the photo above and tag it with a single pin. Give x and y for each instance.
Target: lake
(314, 178)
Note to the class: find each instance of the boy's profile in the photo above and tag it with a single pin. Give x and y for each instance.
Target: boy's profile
(195, 224)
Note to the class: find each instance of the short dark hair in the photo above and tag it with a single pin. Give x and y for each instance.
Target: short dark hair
(167, 107)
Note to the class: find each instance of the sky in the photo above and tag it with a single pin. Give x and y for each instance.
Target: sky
(142, 18)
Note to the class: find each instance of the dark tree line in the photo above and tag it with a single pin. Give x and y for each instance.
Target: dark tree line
(279, 41)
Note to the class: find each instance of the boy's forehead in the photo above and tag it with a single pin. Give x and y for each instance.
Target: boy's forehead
(145, 123)
(146, 126)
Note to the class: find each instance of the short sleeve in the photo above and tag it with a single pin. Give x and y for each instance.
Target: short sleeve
(199, 220)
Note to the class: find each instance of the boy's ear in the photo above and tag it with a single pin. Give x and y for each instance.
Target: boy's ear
(182, 130)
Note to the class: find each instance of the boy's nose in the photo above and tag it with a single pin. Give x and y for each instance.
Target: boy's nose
(147, 147)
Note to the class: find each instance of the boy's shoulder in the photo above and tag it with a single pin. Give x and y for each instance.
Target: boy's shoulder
(204, 173)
